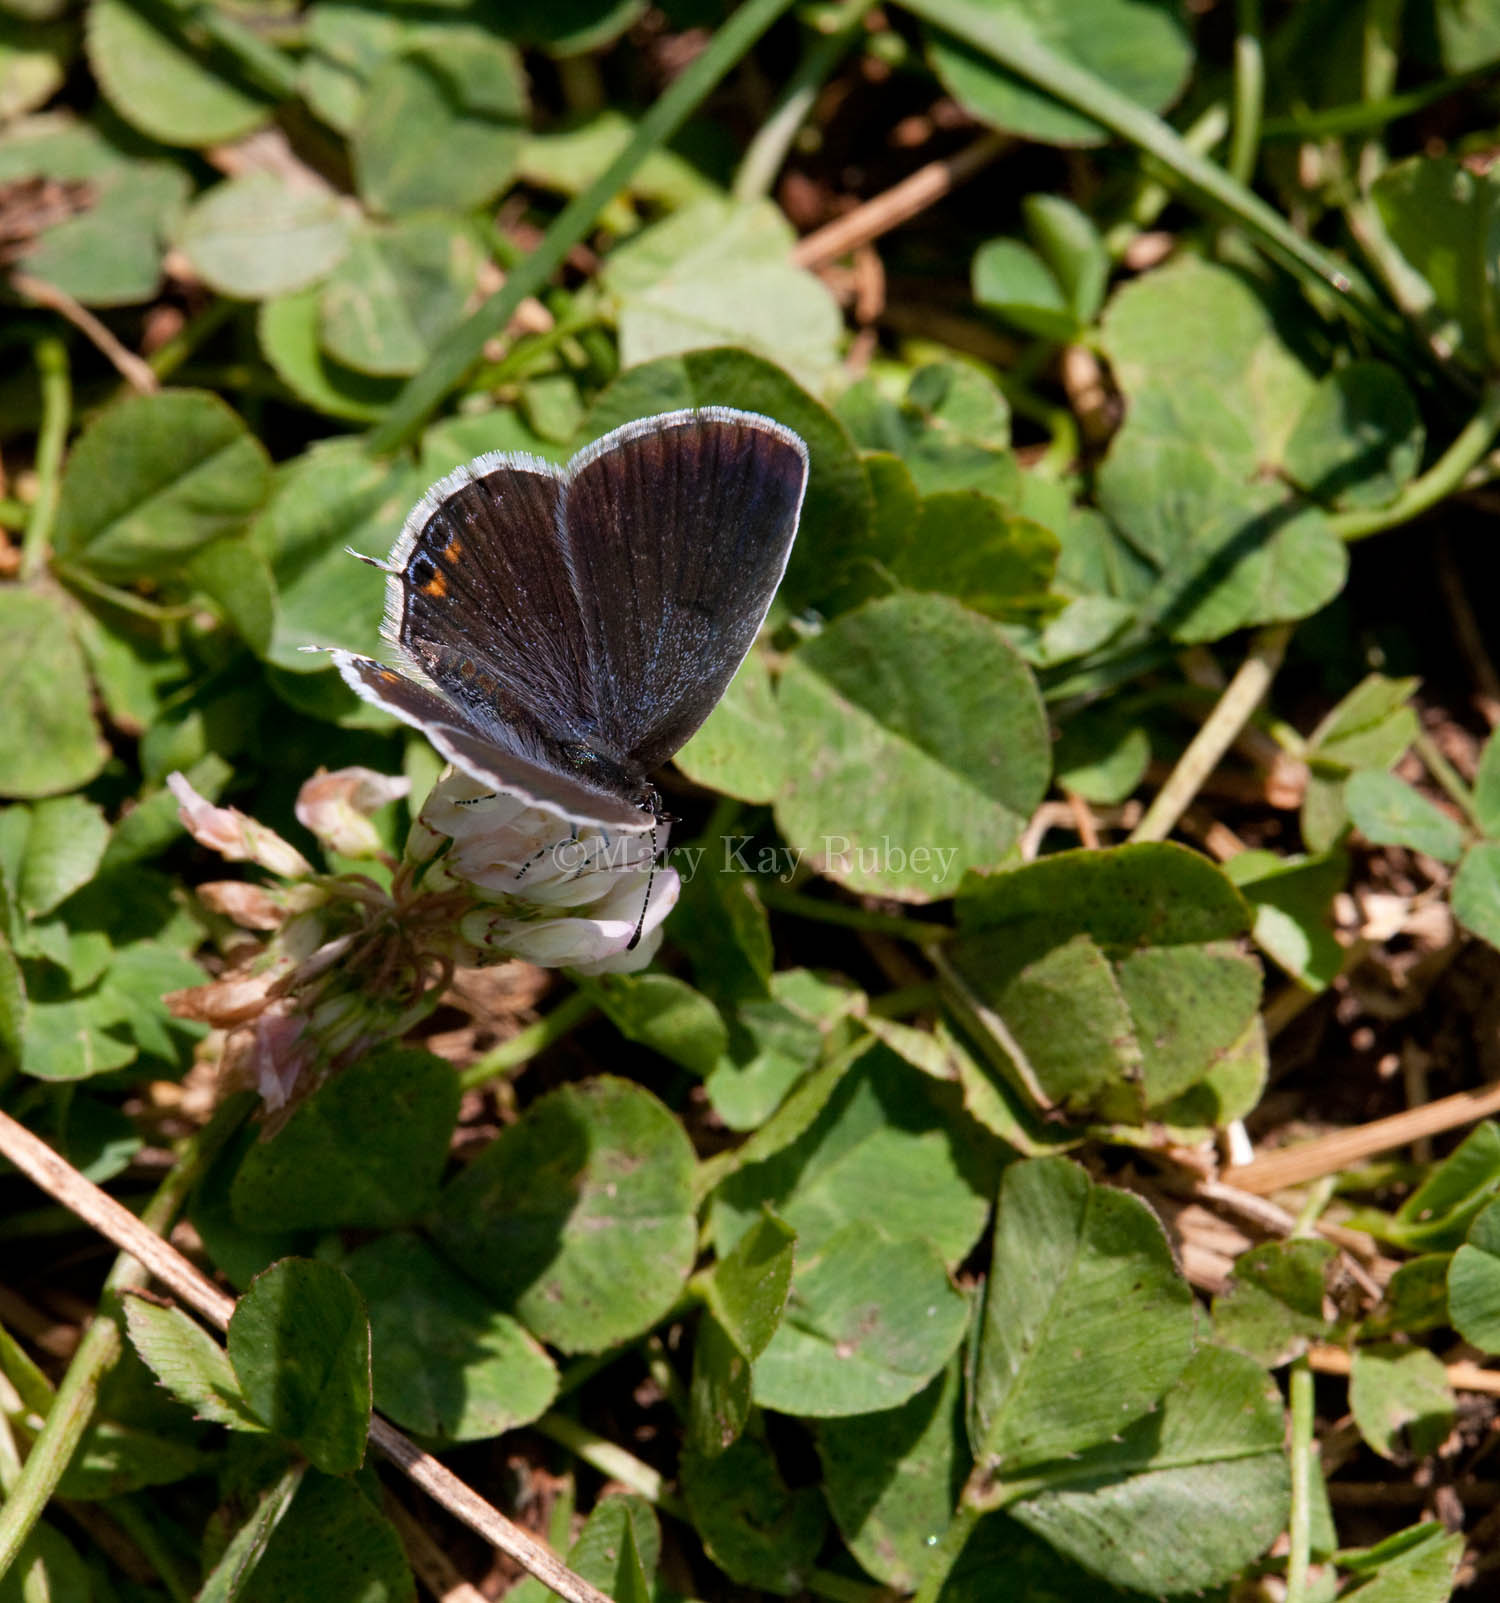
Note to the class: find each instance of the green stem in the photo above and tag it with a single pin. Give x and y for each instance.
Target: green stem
(1380, 48)
(906, 1000)
(767, 150)
(528, 1043)
(1249, 91)
(125, 600)
(1153, 197)
(1447, 776)
(237, 1562)
(72, 1408)
(459, 351)
(1360, 116)
(1242, 695)
(945, 1554)
(1380, 60)
(244, 377)
(583, 86)
(844, 1588)
(996, 34)
(141, 1527)
(1441, 480)
(31, 1385)
(1300, 1448)
(51, 357)
(525, 354)
(266, 66)
(1110, 668)
(13, 513)
(165, 360)
(1319, 1194)
(603, 1455)
(855, 918)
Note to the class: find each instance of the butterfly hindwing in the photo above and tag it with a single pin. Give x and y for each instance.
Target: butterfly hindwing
(508, 766)
(678, 531)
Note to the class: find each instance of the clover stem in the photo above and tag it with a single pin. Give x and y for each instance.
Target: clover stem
(1249, 91)
(1301, 1450)
(1241, 697)
(51, 357)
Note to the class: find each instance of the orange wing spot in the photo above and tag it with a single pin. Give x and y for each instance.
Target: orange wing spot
(436, 587)
(453, 550)
(487, 684)
(466, 668)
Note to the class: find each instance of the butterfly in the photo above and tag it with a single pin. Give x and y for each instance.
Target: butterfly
(563, 631)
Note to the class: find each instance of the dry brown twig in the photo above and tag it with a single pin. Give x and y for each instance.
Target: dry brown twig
(117, 1224)
(1462, 1376)
(431, 1565)
(136, 373)
(1309, 1160)
(898, 204)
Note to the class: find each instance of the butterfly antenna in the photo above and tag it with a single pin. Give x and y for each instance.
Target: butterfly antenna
(640, 923)
(373, 562)
(537, 856)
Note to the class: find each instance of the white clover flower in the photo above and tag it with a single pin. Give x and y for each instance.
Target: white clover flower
(557, 895)
(347, 963)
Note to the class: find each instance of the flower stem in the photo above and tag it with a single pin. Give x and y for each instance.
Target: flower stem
(1249, 91)
(167, 358)
(1241, 697)
(1447, 776)
(615, 1462)
(269, 69)
(945, 1554)
(857, 918)
(77, 1396)
(767, 150)
(528, 1043)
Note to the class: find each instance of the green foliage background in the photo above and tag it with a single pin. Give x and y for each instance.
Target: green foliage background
(831, 1177)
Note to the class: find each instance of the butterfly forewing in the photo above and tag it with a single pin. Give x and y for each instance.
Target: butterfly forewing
(678, 530)
(483, 602)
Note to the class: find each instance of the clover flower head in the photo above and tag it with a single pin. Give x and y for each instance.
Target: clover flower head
(347, 961)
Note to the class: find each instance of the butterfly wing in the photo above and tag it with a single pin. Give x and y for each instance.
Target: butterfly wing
(677, 531)
(506, 763)
(482, 600)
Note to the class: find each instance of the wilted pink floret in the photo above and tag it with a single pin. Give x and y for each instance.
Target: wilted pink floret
(336, 807)
(233, 834)
(280, 1053)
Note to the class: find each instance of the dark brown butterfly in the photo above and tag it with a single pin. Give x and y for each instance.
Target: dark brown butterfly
(563, 631)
